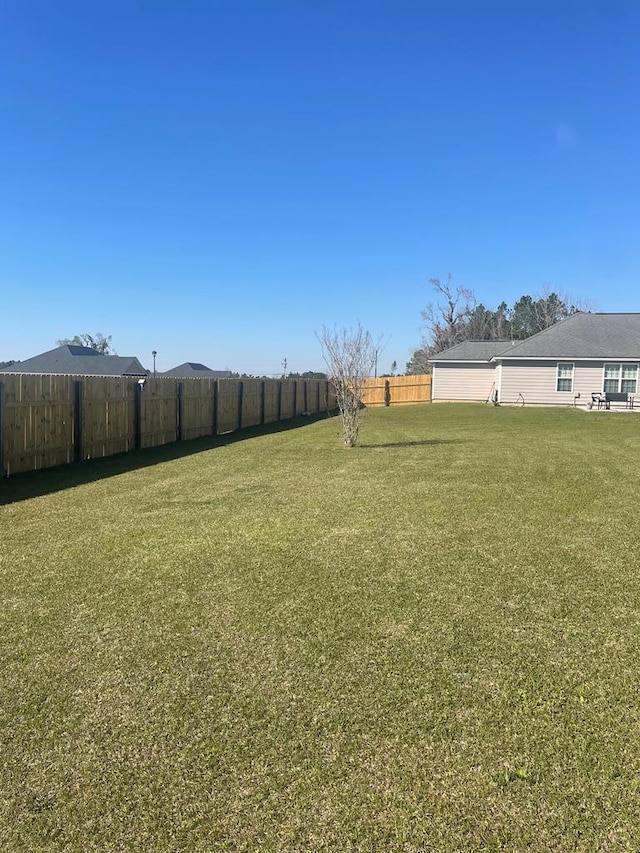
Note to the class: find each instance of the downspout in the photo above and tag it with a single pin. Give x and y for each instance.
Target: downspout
(498, 382)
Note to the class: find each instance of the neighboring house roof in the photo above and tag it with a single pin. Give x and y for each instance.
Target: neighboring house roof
(79, 361)
(193, 369)
(582, 336)
(472, 351)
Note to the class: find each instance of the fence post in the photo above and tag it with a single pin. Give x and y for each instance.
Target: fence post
(318, 397)
(240, 402)
(137, 416)
(306, 395)
(327, 395)
(263, 386)
(78, 396)
(295, 397)
(387, 393)
(279, 399)
(179, 410)
(215, 408)
(1, 429)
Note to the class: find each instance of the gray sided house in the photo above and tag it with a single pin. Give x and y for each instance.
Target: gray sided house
(563, 365)
(194, 370)
(465, 371)
(79, 361)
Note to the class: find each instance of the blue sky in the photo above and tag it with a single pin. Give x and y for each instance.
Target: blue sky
(218, 179)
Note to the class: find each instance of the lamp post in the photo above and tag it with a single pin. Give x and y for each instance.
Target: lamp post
(154, 353)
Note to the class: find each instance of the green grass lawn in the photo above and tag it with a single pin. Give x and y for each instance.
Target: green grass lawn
(428, 643)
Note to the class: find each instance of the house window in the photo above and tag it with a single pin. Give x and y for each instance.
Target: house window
(621, 378)
(629, 381)
(564, 380)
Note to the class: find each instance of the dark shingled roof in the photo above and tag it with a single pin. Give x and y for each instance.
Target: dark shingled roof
(583, 335)
(193, 369)
(472, 351)
(79, 361)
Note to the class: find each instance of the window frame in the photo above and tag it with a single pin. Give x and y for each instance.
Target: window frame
(620, 378)
(560, 378)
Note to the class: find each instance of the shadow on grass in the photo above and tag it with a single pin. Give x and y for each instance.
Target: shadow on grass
(32, 484)
(428, 442)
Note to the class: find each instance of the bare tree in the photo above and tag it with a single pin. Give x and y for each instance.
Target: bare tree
(456, 316)
(446, 320)
(350, 355)
(98, 342)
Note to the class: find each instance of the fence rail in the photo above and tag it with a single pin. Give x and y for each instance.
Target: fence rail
(48, 420)
(397, 390)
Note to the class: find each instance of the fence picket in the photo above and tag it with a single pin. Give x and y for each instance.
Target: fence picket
(397, 390)
(48, 420)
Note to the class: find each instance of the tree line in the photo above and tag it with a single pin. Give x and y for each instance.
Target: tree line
(456, 316)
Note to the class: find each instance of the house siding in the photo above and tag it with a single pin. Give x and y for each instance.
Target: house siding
(535, 382)
(455, 381)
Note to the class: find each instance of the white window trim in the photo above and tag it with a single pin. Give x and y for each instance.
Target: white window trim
(573, 369)
(619, 365)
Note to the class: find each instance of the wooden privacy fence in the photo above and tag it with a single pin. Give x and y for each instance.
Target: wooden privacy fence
(397, 390)
(48, 420)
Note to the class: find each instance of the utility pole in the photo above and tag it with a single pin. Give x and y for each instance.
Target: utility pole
(284, 366)
(154, 353)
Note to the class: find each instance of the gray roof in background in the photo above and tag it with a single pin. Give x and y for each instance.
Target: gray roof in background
(472, 351)
(583, 336)
(195, 370)
(79, 361)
